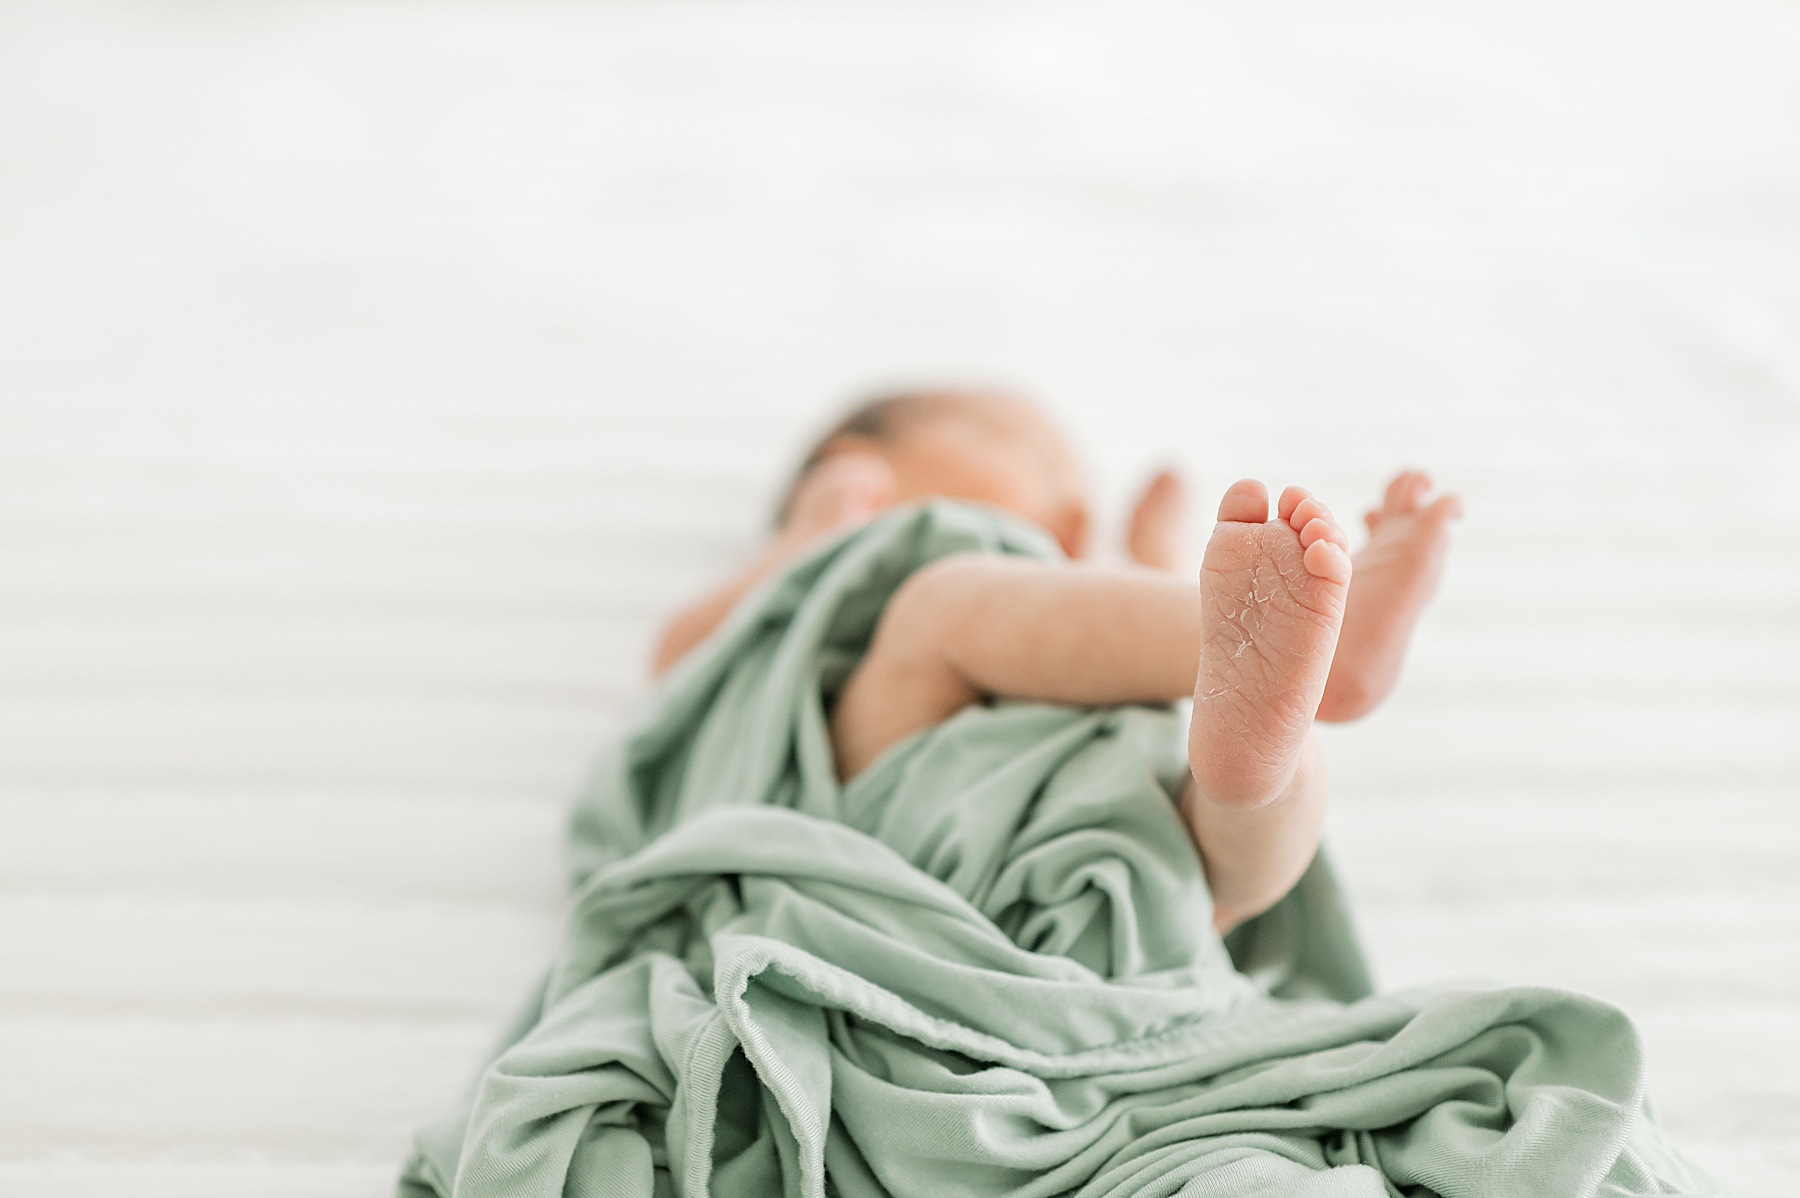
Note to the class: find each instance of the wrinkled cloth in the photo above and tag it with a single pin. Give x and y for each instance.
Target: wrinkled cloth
(985, 966)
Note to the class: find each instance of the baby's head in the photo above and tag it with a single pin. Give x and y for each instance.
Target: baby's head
(984, 446)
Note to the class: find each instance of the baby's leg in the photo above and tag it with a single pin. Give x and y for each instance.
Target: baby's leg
(1274, 594)
(1258, 633)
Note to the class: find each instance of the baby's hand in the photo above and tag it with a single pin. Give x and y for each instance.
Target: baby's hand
(844, 489)
(1158, 534)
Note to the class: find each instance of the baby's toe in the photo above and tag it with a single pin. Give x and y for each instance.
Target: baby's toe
(1405, 492)
(1323, 528)
(1305, 512)
(1444, 507)
(1245, 502)
(1291, 499)
(1327, 559)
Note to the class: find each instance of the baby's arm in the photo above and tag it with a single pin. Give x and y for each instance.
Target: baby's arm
(974, 625)
(1257, 632)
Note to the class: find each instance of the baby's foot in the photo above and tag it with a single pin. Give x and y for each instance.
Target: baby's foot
(842, 490)
(1396, 573)
(1157, 534)
(1272, 597)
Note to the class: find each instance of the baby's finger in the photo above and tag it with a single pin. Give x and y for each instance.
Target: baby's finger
(1165, 486)
(1156, 534)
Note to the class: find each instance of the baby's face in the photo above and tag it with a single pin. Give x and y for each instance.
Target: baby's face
(999, 451)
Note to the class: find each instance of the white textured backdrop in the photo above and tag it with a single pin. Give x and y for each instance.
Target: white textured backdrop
(371, 375)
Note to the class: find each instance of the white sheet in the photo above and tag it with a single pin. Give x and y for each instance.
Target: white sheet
(371, 376)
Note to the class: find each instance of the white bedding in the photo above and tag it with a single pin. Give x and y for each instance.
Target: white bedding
(372, 376)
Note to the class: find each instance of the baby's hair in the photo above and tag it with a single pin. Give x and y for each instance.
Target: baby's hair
(879, 419)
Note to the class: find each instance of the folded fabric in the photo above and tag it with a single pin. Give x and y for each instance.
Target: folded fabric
(985, 966)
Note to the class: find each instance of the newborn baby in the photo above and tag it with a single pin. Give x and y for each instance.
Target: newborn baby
(850, 920)
(1282, 628)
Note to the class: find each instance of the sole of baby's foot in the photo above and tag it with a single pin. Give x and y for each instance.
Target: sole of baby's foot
(1397, 572)
(1272, 598)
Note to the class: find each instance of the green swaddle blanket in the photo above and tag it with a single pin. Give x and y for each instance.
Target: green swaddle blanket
(985, 966)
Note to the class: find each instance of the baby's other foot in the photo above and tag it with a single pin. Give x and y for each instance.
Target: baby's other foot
(1157, 534)
(1396, 573)
(1272, 597)
(843, 490)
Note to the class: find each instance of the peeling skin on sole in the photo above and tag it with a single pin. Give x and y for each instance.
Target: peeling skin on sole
(1282, 602)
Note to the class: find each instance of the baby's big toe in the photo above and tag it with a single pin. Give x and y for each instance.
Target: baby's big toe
(1244, 502)
(1405, 492)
